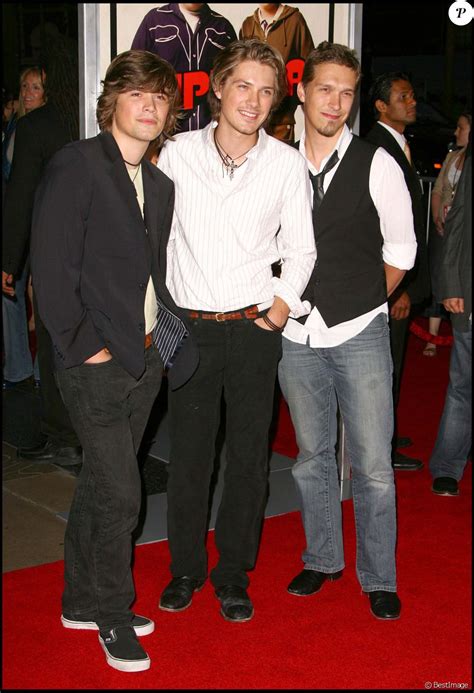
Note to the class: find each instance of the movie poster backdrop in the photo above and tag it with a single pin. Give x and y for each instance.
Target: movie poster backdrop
(133, 24)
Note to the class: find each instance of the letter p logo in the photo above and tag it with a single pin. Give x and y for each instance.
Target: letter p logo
(460, 12)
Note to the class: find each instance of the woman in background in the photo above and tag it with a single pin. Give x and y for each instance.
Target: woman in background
(18, 363)
(441, 198)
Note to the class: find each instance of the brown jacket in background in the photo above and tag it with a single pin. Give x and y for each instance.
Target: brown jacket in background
(291, 36)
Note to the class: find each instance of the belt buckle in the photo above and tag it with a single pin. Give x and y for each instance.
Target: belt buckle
(219, 319)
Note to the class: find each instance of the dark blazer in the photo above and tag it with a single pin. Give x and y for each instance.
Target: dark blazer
(455, 272)
(92, 254)
(38, 136)
(416, 281)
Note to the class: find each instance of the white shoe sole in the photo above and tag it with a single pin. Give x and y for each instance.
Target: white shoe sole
(92, 625)
(125, 664)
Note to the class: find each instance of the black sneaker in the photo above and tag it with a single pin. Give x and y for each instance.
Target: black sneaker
(141, 624)
(122, 649)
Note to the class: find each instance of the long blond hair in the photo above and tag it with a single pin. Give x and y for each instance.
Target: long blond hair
(37, 72)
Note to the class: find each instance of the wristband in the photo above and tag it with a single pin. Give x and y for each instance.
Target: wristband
(271, 324)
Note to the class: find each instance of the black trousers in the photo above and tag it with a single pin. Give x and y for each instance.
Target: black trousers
(110, 410)
(239, 360)
(55, 421)
(398, 342)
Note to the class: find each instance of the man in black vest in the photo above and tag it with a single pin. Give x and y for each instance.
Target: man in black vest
(100, 229)
(340, 353)
(394, 104)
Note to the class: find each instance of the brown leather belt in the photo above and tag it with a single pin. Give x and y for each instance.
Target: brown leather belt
(148, 340)
(249, 313)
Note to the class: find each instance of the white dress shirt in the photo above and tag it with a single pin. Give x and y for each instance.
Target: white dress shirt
(392, 201)
(398, 136)
(226, 233)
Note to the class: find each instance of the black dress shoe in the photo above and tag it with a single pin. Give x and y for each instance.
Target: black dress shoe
(235, 603)
(385, 605)
(404, 463)
(52, 452)
(178, 594)
(445, 486)
(403, 442)
(310, 581)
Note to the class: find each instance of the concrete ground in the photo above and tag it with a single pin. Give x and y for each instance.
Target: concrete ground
(33, 496)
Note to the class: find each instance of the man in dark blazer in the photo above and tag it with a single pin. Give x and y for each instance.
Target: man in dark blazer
(454, 289)
(100, 229)
(394, 104)
(38, 136)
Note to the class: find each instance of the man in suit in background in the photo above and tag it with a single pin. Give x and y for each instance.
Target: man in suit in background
(38, 136)
(454, 289)
(394, 104)
(100, 227)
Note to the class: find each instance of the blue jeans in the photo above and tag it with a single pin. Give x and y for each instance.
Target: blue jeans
(18, 363)
(453, 442)
(109, 410)
(357, 375)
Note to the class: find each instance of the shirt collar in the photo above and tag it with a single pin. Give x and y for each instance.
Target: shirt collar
(342, 144)
(274, 18)
(400, 137)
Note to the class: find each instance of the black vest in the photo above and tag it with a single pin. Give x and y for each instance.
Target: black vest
(348, 278)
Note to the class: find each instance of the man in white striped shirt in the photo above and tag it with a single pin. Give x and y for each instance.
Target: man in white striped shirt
(243, 202)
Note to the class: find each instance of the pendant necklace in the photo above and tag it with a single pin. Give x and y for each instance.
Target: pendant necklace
(136, 172)
(228, 163)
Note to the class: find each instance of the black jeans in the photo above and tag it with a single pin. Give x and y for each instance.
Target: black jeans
(239, 359)
(110, 410)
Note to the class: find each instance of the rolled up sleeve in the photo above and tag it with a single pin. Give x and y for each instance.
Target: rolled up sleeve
(392, 200)
(295, 240)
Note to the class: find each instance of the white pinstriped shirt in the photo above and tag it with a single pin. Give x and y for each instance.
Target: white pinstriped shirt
(226, 234)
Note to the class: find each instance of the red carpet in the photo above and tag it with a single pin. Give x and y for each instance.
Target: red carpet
(322, 642)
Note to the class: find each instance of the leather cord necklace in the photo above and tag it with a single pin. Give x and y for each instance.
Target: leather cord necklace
(228, 163)
(137, 166)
